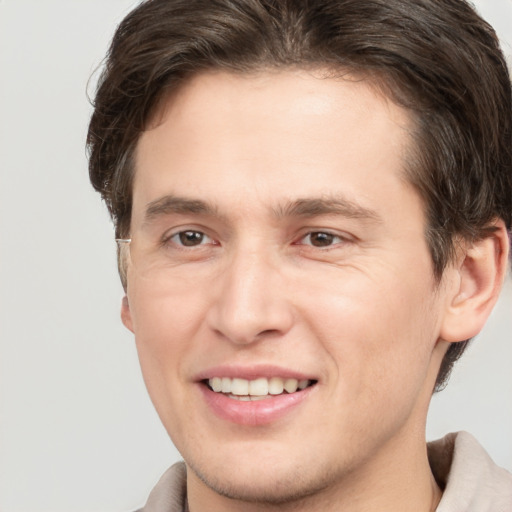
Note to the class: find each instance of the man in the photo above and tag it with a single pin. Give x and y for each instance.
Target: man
(312, 201)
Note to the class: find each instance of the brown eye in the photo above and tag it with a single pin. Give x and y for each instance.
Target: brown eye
(189, 238)
(320, 239)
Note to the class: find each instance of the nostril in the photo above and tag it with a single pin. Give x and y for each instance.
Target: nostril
(267, 333)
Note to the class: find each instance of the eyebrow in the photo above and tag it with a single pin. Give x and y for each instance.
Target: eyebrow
(302, 207)
(330, 205)
(170, 204)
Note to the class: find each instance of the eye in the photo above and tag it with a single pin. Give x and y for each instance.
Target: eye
(190, 238)
(321, 239)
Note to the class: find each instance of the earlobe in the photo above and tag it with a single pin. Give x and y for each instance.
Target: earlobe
(479, 278)
(126, 315)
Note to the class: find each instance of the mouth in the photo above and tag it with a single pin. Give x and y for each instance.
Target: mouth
(259, 395)
(261, 388)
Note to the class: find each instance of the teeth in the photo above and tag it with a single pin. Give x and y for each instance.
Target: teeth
(247, 398)
(226, 385)
(275, 386)
(291, 385)
(258, 387)
(216, 384)
(303, 384)
(240, 387)
(243, 389)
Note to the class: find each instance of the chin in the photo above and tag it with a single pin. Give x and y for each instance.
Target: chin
(259, 484)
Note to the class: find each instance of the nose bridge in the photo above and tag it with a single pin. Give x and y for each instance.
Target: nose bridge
(251, 301)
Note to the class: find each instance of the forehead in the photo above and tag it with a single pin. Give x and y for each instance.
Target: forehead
(297, 132)
(267, 95)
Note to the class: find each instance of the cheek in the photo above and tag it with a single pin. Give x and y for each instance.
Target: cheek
(378, 334)
(164, 312)
(164, 324)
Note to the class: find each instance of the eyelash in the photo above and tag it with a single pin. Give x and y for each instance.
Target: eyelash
(176, 239)
(333, 238)
(172, 239)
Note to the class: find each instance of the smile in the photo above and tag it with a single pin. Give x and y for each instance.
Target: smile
(257, 389)
(257, 401)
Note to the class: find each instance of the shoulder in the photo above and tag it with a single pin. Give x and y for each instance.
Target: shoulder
(472, 482)
(169, 494)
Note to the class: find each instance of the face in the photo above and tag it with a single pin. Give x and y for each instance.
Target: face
(275, 242)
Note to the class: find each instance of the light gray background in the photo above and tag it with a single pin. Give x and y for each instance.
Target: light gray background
(77, 431)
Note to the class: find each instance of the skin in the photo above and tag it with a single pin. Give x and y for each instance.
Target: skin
(360, 312)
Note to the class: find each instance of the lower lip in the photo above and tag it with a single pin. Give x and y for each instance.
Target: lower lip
(253, 413)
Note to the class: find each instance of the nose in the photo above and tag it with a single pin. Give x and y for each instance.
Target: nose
(251, 302)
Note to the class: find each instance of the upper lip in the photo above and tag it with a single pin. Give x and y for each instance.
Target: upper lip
(252, 372)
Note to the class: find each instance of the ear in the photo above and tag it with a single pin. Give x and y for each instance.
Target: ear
(479, 276)
(126, 315)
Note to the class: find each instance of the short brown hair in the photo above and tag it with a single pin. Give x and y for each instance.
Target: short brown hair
(436, 58)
